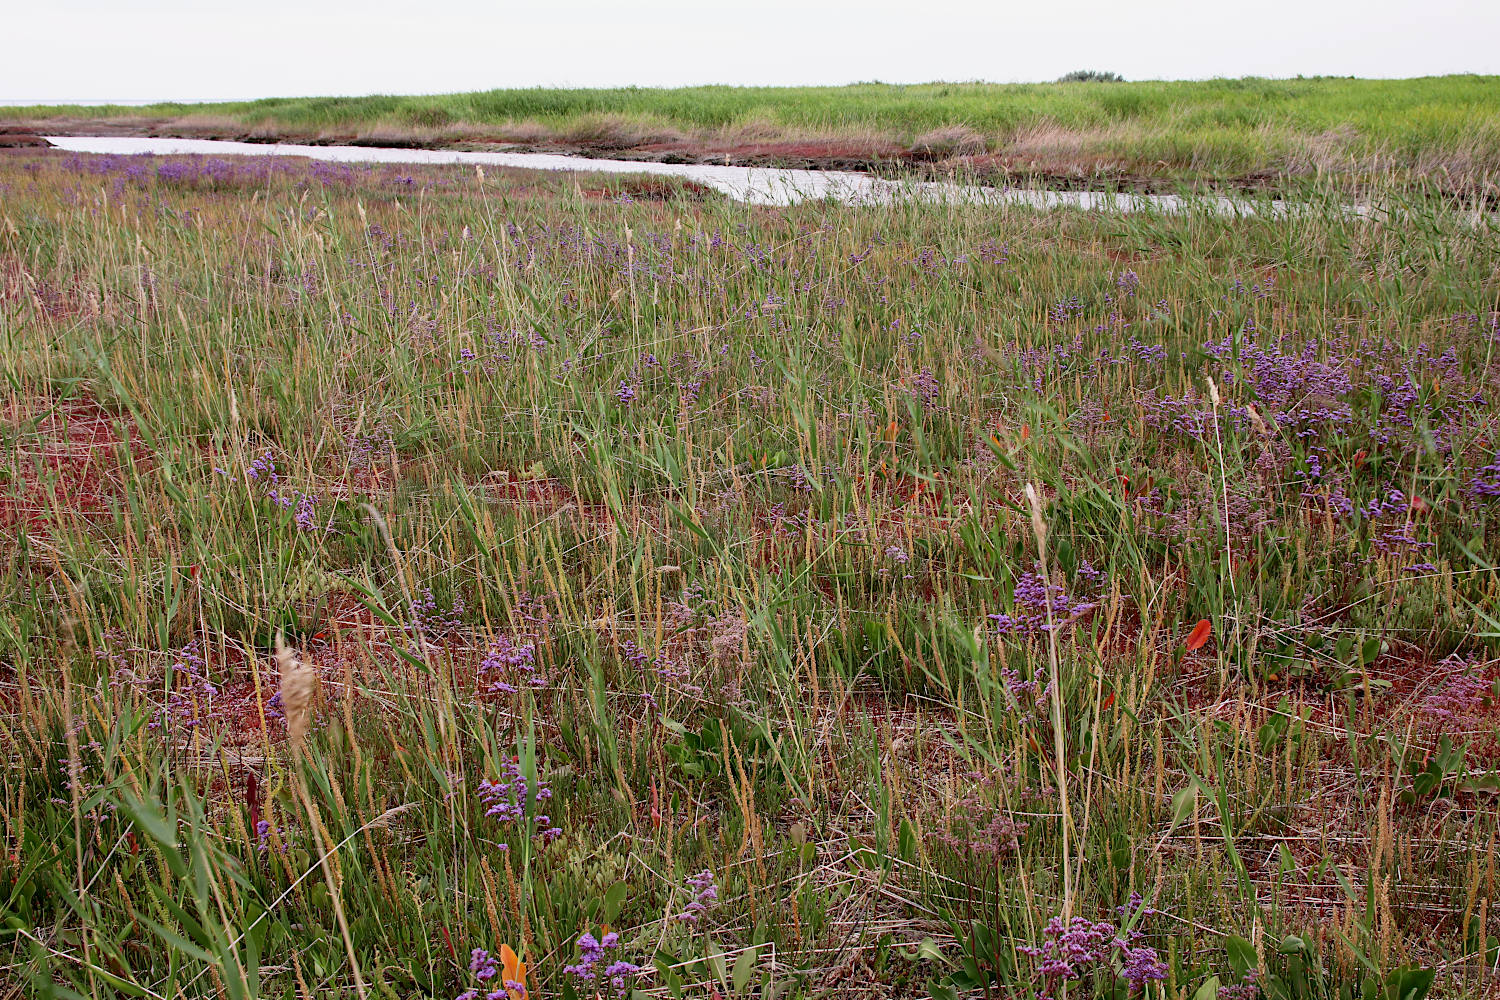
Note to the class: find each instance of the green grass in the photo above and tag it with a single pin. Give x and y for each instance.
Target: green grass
(749, 486)
(1202, 129)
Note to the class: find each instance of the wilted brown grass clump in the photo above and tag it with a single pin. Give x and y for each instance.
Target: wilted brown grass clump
(618, 132)
(950, 140)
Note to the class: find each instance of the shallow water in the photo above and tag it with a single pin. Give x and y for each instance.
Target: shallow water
(756, 185)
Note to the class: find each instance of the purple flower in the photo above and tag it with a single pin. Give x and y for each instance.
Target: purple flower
(592, 951)
(484, 968)
(507, 664)
(1031, 596)
(705, 890)
(1142, 966)
(508, 800)
(1486, 482)
(1071, 949)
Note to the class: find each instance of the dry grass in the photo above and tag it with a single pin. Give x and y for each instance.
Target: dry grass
(618, 132)
(952, 140)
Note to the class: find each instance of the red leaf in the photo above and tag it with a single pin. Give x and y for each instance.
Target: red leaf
(1198, 637)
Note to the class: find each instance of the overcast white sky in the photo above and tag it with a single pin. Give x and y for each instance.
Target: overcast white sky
(205, 49)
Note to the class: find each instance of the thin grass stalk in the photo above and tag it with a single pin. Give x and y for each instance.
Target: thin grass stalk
(1059, 740)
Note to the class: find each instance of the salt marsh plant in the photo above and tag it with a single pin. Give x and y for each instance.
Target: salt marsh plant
(426, 584)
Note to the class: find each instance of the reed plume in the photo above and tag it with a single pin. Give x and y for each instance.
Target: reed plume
(299, 685)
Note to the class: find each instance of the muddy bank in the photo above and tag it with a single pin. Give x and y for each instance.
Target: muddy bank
(21, 137)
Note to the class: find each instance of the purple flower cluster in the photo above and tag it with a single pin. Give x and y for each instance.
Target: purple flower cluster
(976, 834)
(432, 618)
(485, 968)
(1065, 309)
(507, 665)
(1248, 988)
(636, 657)
(1486, 482)
(508, 800)
(191, 694)
(1028, 617)
(591, 952)
(705, 889)
(1463, 693)
(363, 448)
(1072, 949)
(210, 173)
(928, 390)
(304, 506)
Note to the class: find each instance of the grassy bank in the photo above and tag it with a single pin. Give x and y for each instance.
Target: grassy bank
(1442, 128)
(663, 593)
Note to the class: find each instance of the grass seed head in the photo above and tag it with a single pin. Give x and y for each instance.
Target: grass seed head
(1038, 522)
(299, 684)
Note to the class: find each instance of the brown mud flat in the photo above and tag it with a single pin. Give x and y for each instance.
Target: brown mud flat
(21, 137)
(1064, 172)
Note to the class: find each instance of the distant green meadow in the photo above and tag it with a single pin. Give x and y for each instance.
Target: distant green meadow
(1445, 128)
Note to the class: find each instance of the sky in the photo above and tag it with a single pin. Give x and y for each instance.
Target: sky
(137, 50)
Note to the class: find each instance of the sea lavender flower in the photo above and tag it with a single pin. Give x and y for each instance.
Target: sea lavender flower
(705, 890)
(928, 390)
(508, 800)
(433, 619)
(507, 664)
(1486, 482)
(592, 951)
(1141, 965)
(635, 656)
(305, 514)
(1031, 595)
(1072, 949)
(482, 965)
(262, 469)
(303, 506)
(1465, 691)
(1248, 988)
(1068, 945)
(974, 834)
(485, 967)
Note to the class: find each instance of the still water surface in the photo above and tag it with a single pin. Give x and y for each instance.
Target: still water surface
(756, 185)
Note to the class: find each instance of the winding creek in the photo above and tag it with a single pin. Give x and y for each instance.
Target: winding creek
(755, 185)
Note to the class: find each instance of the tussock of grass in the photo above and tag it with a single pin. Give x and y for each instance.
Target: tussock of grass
(951, 140)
